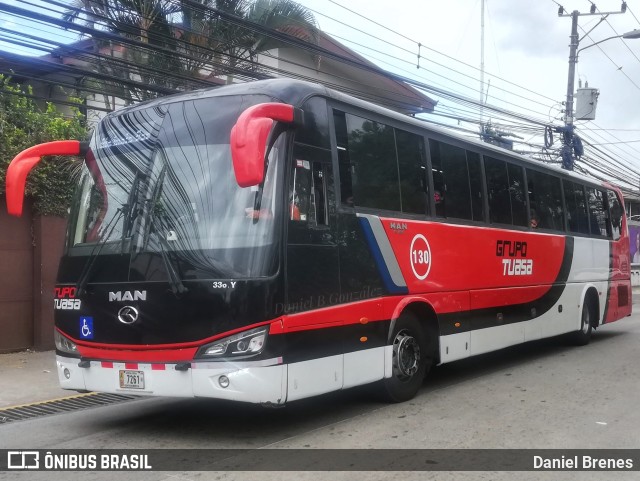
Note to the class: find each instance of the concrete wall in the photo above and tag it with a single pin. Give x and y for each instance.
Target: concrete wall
(16, 280)
(30, 249)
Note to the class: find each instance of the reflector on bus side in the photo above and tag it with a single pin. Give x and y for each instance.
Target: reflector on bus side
(249, 139)
(26, 160)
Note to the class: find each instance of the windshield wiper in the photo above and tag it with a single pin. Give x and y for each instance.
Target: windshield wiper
(95, 252)
(127, 210)
(177, 287)
(130, 211)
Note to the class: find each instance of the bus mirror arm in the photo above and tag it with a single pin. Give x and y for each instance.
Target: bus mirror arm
(249, 139)
(26, 160)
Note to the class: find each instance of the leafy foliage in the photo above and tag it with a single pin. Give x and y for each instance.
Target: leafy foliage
(22, 125)
(188, 40)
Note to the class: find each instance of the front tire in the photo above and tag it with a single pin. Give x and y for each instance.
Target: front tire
(410, 361)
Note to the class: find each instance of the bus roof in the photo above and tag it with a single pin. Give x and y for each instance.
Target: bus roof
(295, 92)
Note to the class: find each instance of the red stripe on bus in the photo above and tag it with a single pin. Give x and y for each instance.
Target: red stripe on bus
(158, 367)
(156, 347)
(131, 365)
(164, 355)
(106, 364)
(382, 309)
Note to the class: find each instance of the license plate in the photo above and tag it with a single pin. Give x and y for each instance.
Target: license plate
(132, 379)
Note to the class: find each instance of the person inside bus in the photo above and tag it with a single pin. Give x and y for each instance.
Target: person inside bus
(294, 210)
(533, 219)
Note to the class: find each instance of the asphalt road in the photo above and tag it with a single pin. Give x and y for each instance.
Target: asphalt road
(545, 394)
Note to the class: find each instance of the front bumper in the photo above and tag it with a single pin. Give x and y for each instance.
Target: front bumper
(255, 382)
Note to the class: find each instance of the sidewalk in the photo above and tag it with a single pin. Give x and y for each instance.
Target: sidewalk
(28, 377)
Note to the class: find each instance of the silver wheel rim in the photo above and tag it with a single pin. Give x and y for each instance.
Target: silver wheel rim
(406, 356)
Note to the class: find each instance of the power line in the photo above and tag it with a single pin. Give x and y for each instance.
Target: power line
(468, 104)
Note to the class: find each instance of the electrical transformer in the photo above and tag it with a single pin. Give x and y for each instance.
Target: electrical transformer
(586, 103)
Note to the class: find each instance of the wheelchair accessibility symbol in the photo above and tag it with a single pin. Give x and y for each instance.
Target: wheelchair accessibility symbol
(86, 327)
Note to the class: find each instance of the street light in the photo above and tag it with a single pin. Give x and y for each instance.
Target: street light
(627, 36)
(573, 60)
(568, 139)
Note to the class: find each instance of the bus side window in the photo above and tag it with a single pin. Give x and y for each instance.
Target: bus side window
(545, 197)
(319, 192)
(307, 201)
(597, 214)
(344, 162)
(615, 214)
(576, 204)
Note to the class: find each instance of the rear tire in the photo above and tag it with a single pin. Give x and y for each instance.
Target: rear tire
(410, 361)
(582, 336)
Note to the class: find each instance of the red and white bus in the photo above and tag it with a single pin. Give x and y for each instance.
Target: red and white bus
(275, 240)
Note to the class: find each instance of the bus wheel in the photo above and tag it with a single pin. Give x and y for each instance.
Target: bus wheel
(410, 360)
(582, 336)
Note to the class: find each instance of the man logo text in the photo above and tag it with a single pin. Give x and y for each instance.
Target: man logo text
(120, 296)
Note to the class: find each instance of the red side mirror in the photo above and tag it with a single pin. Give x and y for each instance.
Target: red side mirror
(249, 139)
(26, 160)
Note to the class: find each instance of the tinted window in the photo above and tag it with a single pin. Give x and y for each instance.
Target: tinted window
(372, 151)
(450, 180)
(505, 188)
(344, 162)
(576, 204)
(517, 195)
(413, 179)
(615, 211)
(456, 181)
(545, 200)
(498, 191)
(475, 182)
(380, 167)
(316, 124)
(307, 190)
(597, 216)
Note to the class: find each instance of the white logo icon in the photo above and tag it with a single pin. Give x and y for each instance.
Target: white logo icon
(128, 315)
(23, 460)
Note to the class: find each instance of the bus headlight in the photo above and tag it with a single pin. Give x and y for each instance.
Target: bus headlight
(64, 344)
(246, 343)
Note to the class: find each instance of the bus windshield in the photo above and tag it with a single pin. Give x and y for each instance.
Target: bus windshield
(160, 180)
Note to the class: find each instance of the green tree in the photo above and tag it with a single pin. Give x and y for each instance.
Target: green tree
(196, 41)
(22, 125)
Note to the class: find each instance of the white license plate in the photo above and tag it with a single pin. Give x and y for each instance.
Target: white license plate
(132, 379)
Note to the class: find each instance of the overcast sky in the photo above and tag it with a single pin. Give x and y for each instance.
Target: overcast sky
(526, 43)
(526, 55)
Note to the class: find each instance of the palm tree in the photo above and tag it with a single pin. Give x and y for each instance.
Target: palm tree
(189, 38)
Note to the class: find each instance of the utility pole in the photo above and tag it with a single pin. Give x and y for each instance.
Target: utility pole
(481, 64)
(570, 143)
(573, 60)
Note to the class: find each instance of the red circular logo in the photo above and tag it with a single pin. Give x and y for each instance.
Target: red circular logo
(420, 257)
